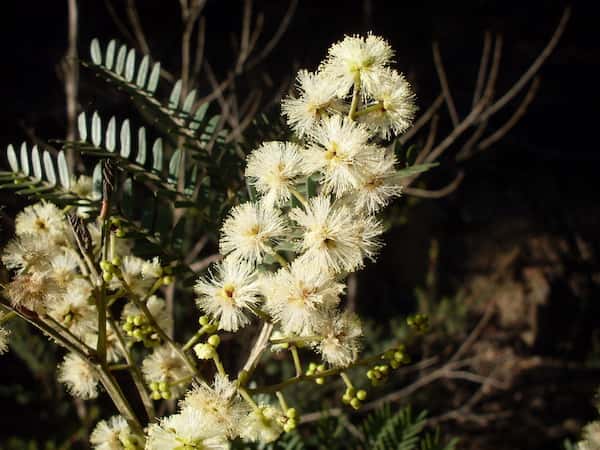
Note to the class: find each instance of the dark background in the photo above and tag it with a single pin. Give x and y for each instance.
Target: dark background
(539, 182)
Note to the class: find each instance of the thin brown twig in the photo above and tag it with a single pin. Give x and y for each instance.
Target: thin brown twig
(421, 121)
(483, 64)
(283, 25)
(430, 140)
(136, 25)
(441, 72)
(514, 119)
(533, 69)
(439, 193)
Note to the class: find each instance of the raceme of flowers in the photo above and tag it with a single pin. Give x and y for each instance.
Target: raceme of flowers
(286, 253)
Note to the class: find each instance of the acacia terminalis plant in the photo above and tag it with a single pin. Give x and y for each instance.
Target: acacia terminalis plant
(83, 272)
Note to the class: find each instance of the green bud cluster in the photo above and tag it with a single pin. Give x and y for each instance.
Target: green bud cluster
(138, 328)
(208, 349)
(160, 390)
(397, 356)
(314, 369)
(419, 322)
(354, 397)
(290, 420)
(378, 374)
(108, 270)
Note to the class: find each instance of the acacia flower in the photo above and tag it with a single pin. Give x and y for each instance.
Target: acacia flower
(317, 100)
(64, 267)
(27, 253)
(339, 151)
(396, 102)
(186, 430)
(298, 293)
(113, 434)
(274, 169)
(229, 294)
(263, 424)
(34, 291)
(43, 220)
(132, 270)
(165, 365)
(250, 232)
(341, 333)
(357, 56)
(72, 309)
(332, 236)
(218, 405)
(79, 377)
(378, 184)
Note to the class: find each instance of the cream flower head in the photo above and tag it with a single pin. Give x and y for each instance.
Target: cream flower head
(339, 151)
(317, 100)
(274, 168)
(357, 56)
(298, 294)
(229, 294)
(79, 377)
(250, 232)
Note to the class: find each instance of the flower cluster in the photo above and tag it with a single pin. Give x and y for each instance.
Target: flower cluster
(317, 200)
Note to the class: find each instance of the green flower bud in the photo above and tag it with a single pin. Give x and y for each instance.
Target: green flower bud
(291, 413)
(320, 380)
(355, 403)
(107, 276)
(156, 395)
(214, 340)
(163, 386)
(361, 395)
(203, 320)
(116, 261)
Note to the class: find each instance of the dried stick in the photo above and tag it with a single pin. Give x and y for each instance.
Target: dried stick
(283, 26)
(533, 69)
(439, 193)
(421, 121)
(483, 66)
(441, 72)
(430, 139)
(514, 119)
(136, 25)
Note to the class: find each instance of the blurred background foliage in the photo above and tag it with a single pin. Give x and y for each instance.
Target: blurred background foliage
(506, 265)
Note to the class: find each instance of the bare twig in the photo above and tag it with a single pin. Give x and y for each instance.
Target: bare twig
(483, 64)
(421, 121)
(533, 69)
(441, 72)
(514, 119)
(430, 140)
(439, 193)
(136, 25)
(199, 266)
(283, 26)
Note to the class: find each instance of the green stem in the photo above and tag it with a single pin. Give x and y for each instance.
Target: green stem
(282, 402)
(296, 339)
(369, 109)
(301, 198)
(195, 338)
(6, 317)
(134, 370)
(296, 358)
(115, 367)
(246, 396)
(355, 96)
(219, 365)
(347, 380)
